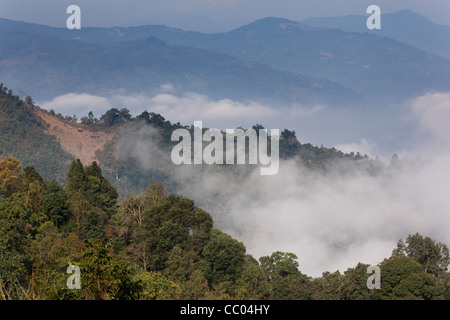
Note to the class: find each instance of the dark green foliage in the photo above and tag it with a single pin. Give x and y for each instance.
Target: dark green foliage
(403, 278)
(105, 277)
(56, 207)
(354, 284)
(419, 286)
(291, 287)
(115, 116)
(31, 175)
(100, 192)
(159, 245)
(225, 257)
(169, 222)
(287, 281)
(93, 199)
(76, 180)
(327, 287)
(433, 256)
(279, 264)
(16, 233)
(92, 228)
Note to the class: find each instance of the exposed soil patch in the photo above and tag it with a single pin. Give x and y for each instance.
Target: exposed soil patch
(76, 139)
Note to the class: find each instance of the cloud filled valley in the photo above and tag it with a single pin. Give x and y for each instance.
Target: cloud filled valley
(331, 220)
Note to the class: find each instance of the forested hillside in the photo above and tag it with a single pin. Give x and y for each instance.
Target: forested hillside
(22, 136)
(135, 237)
(162, 246)
(36, 138)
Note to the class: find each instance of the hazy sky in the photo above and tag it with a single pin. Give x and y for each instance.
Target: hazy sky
(206, 15)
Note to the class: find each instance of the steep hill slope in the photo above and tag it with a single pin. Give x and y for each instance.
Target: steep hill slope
(74, 138)
(22, 136)
(133, 152)
(44, 141)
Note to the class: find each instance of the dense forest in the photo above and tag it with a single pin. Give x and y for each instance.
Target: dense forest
(158, 245)
(137, 238)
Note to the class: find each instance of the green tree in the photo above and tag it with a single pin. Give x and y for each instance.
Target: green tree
(327, 287)
(99, 191)
(168, 223)
(157, 287)
(105, 277)
(115, 116)
(252, 283)
(282, 273)
(155, 194)
(31, 175)
(93, 227)
(196, 287)
(76, 180)
(55, 205)
(403, 278)
(50, 257)
(419, 286)
(354, 284)
(225, 257)
(433, 256)
(279, 264)
(289, 144)
(10, 176)
(291, 287)
(16, 233)
(29, 100)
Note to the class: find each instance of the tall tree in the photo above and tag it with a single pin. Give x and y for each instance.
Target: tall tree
(10, 176)
(433, 256)
(76, 180)
(403, 278)
(225, 257)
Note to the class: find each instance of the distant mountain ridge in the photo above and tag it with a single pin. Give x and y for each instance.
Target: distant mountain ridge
(405, 26)
(46, 67)
(371, 65)
(270, 59)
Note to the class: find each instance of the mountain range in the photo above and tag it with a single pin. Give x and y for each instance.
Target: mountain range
(45, 67)
(272, 60)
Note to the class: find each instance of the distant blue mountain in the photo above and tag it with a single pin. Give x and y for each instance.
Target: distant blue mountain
(405, 26)
(271, 59)
(45, 67)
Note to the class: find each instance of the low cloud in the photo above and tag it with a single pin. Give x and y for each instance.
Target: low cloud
(191, 107)
(433, 114)
(185, 108)
(77, 103)
(364, 147)
(331, 221)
